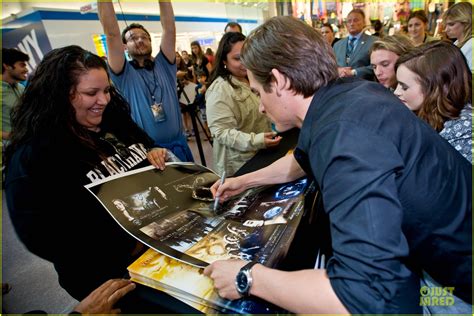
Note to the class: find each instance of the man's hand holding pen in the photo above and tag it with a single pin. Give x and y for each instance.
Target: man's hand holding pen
(216, 197)
(223, 190)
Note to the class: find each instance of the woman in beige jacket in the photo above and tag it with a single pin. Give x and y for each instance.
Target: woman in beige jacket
(238, 128)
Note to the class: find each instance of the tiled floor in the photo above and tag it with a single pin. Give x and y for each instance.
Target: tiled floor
(33, 280)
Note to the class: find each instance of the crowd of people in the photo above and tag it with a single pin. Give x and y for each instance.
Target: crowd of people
(385, 131)
(398, 196)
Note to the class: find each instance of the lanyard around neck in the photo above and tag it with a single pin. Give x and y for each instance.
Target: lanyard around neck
(155, 84)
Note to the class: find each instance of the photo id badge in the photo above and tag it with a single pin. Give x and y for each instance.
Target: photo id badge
(158, 112)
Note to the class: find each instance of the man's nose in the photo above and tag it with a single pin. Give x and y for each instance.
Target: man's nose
(261, 108)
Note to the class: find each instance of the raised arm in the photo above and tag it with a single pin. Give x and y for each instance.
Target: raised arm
(115, 47)
(168, 39)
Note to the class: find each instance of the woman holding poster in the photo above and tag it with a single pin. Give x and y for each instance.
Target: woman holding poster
(70, 129)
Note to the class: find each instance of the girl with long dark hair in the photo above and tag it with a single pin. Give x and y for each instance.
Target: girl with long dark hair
(200, 61)
(435, 82)
(72, 128)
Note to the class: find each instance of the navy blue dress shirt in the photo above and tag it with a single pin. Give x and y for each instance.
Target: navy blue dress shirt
(397, 194)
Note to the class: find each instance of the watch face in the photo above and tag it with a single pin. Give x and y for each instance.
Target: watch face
(242, 282)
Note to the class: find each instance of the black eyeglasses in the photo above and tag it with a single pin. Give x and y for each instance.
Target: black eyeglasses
(135, 38)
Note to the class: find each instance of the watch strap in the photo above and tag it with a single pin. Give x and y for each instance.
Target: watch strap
(249, 265)
(246, 269)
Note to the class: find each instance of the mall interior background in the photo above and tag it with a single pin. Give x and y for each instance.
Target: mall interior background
(37, 27)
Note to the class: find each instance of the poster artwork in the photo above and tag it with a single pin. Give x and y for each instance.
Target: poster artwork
(171, 211)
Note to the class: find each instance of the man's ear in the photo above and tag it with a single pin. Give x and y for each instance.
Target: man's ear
(281, 82)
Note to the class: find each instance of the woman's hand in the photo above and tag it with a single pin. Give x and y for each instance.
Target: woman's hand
(157, 157)
(271, 140)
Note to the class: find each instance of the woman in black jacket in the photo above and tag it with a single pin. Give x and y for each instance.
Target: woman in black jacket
(72, 128)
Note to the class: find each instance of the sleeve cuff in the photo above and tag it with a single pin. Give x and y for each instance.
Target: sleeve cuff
(260, 140)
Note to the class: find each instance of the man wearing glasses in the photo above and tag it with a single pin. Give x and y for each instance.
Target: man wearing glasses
(148, 83)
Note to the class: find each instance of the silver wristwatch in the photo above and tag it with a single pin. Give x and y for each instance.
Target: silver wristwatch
(244, 280)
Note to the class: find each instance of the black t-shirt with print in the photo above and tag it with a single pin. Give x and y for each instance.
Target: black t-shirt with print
(58, 219)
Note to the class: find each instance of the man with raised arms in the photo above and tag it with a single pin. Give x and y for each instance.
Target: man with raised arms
(148, 83)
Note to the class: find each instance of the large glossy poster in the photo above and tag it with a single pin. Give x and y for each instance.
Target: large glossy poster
(172, 212)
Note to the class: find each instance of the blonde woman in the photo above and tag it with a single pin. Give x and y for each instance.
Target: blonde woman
(458, 25)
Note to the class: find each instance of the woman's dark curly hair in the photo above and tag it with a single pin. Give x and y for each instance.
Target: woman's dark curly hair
(45, 108)
(225, 46)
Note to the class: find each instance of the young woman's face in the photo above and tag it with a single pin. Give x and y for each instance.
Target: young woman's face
(90, 97)
(383, 62)
(195, 49)
(416, 28)
(233, 64)
(454, 29)
(409, 89)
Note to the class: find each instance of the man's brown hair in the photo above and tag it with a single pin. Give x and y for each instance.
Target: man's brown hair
(295, 49)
